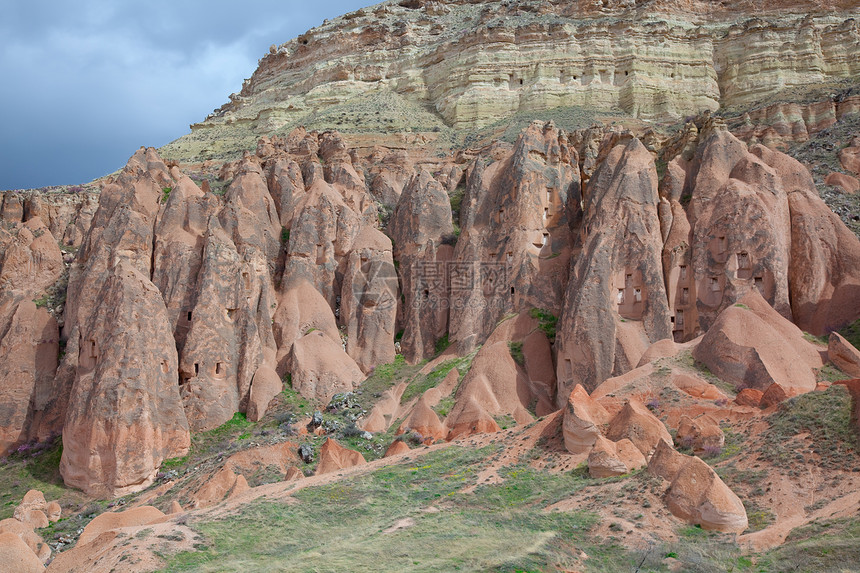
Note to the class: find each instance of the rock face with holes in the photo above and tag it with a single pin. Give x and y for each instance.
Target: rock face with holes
(615, 306)
(369, 299)
(420, 226)
(514, 249)
(223, 349)
(124, 415)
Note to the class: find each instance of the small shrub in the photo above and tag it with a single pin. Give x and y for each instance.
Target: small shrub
(517, 352)
(547, 322)
(165, 193)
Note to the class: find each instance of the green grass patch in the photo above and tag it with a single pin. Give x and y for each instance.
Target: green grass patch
(442, 344)
(348, 525)
(851, 333)
(819, 340)
(826, 416)
(818, 547)
(421, 384)
(34, 466)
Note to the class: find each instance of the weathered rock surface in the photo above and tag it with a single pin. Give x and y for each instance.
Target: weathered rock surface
(419, 225)
(701, 434)
(17, 556)
(115, 520)
(369, 300)
(841, 353)
(321, 368)
(512, 254)
(124, 415)
(824, 269)
(28, 363)
(594, 55)
(752, 346)
(616, 304)
(334, 457)
(636, 423)
(696, 493)
(583, 419)
(608, 458)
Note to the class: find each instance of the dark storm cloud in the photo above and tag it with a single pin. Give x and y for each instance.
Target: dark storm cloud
(83, 84)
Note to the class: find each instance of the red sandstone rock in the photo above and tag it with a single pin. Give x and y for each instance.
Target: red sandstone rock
(516, 218)
(751, 346)
(583, 419)
(16, 556)
(25, 532)
(369, 300)
(471, 418)
(636, 423)
(321, 368)
(824, 270)
(495, 385)
(841, 353)
(124, 416)
(615, 305)
(334, 457)
(28, 363)
(775, 394)
(696, 493)
(30, 260)
(264, 387)
(420, 222)
(661, 349)
(397, 447)
(115, 520)
(222, 485)
(698, 388)
(609, 458)
(741, 240)
(849, 157)
(53, 511)
(301, 308)
(847, 183)
(425, 421)
(701, 434)
(749, 397)
(224, 347)
(293, 473)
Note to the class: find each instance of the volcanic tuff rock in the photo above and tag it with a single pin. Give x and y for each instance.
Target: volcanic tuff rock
(752, 346)
(420, 224)
(124, 414)
(472, 63)
(616, 305)
(516, 218)
(696, 493)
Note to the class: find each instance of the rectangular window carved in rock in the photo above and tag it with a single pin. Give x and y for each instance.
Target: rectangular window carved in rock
(744, 266)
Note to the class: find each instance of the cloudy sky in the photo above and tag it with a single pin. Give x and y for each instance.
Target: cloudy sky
(83, 84)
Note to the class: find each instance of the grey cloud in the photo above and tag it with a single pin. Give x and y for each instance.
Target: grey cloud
(86, 83)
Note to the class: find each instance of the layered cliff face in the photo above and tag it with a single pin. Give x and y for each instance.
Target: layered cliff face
(465, 65)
